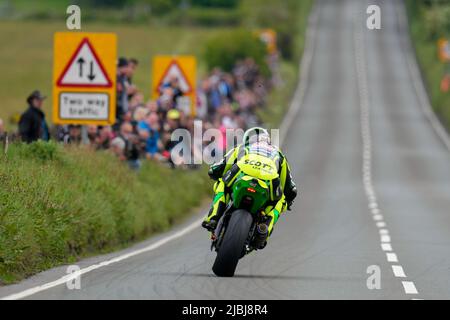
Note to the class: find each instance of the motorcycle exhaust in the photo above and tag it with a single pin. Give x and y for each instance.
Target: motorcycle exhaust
(261, 235)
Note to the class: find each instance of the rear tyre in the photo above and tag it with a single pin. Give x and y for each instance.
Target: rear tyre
(233, 244)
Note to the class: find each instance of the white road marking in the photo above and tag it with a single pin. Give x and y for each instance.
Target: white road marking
(363, 91)
(391, 257)
(381, 224)
(398, 271)
(409, 287)
(75, 275)
(378, 217)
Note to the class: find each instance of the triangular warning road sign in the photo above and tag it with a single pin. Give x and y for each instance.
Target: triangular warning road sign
(174, 70)
(84, 69)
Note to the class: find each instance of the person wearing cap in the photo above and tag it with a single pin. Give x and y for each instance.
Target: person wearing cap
(171, 124)
(32, 123)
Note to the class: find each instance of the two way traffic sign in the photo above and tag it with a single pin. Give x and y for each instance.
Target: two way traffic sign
(84, 74)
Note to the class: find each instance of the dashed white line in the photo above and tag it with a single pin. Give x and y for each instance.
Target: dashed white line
(381, 224)
(378, 217)
(391, 257)
(363, 91)
(409, 287)
(398, 271)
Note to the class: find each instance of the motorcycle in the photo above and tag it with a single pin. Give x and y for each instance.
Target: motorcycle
(243, 227)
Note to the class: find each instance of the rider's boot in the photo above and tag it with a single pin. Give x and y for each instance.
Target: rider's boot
(217, 207)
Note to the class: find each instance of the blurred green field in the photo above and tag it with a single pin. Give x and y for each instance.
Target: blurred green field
(26, 61)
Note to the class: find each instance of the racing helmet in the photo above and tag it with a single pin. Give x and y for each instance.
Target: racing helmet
(254, 135)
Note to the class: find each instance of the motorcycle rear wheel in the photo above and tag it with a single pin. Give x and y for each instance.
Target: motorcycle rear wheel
(233, 244)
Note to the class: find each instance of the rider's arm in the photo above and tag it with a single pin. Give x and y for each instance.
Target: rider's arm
(287, 183)
(217, 170)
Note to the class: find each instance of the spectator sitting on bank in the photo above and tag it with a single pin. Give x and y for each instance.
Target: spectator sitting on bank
(174, 83)
(92, 134)
(166, 101)
(73, 135)
(105, 136)
(152, 106)
(32, 123)
(131, 141)
(137, 100)
(118, 148)
(140, 114)
(173, 122)
(149, 132)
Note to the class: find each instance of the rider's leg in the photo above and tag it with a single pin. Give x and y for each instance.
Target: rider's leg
(273, 212)
(218, 205)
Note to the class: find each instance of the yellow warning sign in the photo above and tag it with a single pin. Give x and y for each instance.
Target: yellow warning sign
(84, 78)
(179, 72)
(269, 37)
(444, 50)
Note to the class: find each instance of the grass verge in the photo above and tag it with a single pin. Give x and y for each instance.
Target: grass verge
(57, 205)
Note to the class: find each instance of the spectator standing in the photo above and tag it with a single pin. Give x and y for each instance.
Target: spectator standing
(122, 85)
(133, 64)
(32, 123)
(2, 129)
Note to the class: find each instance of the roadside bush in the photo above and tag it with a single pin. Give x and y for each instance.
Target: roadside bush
(437, 21)
(230, 46)
(40, 150)
(209, 17)
(216, 3)
(429, 20)
(285, 19)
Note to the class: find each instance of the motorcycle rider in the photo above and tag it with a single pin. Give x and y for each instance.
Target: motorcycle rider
(224, 171)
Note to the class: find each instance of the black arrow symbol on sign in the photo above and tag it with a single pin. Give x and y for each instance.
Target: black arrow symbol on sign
(91, 75)
(81, 61)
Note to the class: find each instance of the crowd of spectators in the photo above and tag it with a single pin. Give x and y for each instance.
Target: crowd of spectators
(143, 129)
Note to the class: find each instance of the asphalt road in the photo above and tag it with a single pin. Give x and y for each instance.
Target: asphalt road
(374, 186)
